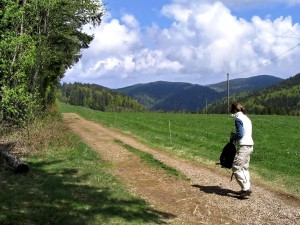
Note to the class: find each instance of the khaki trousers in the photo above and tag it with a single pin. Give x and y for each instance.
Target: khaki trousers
(240, 167)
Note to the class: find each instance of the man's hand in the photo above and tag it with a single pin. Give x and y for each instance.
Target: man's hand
(232, 136)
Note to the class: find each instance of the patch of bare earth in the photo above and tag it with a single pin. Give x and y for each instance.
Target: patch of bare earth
(209, 198)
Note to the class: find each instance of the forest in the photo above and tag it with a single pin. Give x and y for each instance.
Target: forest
(280, 99)
(40, 39)
(97, 97)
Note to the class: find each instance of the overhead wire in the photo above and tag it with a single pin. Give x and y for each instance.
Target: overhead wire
(270, 60)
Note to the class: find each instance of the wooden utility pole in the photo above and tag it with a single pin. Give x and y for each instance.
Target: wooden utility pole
(228, 109)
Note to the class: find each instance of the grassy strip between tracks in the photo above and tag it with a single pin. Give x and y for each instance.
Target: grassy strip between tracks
(148, 158)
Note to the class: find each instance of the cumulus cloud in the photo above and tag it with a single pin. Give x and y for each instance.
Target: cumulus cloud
(211, 40)
(203, 43)
(257, 3)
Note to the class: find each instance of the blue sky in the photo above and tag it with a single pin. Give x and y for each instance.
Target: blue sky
(194, 41)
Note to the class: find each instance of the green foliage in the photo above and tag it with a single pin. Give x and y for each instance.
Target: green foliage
(97, 97)
(39, 40)
(17, 106)
(201, 138)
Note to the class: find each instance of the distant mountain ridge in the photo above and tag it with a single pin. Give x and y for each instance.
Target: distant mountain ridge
(180, 96)
(171, 96)
(282, 98)
(246, 84)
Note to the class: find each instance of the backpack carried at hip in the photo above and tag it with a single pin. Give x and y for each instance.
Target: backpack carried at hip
(227, 155)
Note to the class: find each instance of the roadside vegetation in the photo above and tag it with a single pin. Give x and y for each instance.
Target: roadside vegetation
(201, 137)
(67, 184)
(39, 41)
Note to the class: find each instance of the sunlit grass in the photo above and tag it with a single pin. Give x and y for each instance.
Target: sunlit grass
(148, 158)
(201, 137)
(67, 184)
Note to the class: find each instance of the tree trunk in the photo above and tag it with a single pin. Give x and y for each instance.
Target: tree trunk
(11, 161)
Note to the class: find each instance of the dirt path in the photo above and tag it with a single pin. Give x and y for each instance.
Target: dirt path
(209, 198)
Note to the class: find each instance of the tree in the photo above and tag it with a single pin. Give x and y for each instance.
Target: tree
(97, 97)
(39, 40)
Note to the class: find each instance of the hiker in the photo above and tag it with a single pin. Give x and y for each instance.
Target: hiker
(243, 137)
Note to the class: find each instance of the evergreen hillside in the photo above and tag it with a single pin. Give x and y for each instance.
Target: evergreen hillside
(282, 98)
(97, 97)
(178, 96)
(171, 96)
(246, 84)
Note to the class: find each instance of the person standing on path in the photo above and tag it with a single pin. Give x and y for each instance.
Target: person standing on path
(243, 137)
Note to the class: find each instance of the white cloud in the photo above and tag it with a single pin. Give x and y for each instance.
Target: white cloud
(256, 3)
(130, 21)
(114, 37)
(203, 43)
(212, 40)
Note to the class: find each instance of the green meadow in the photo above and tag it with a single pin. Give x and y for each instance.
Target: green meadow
(200, 138)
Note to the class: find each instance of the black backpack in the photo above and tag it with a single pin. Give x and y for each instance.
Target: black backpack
(227, 155)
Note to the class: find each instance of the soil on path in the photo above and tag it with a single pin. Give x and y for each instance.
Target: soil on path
(208, 198)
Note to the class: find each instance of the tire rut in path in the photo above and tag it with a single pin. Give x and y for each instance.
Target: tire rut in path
(207, 199)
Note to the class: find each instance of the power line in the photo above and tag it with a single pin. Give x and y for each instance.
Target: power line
(270, 60)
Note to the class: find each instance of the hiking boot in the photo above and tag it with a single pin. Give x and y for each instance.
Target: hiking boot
(244, 194)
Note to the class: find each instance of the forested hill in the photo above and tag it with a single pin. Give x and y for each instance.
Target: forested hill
(171, 96)
(282, 98)
(246, 84)
(97, 97)
(180, 96)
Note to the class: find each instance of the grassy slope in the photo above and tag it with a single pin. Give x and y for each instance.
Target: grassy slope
(201, 138)
(67, 184)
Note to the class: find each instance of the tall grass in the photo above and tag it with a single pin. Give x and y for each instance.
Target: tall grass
(67, 184)
(201, 137)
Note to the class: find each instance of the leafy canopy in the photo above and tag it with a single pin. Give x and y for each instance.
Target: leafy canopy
(39, 40)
